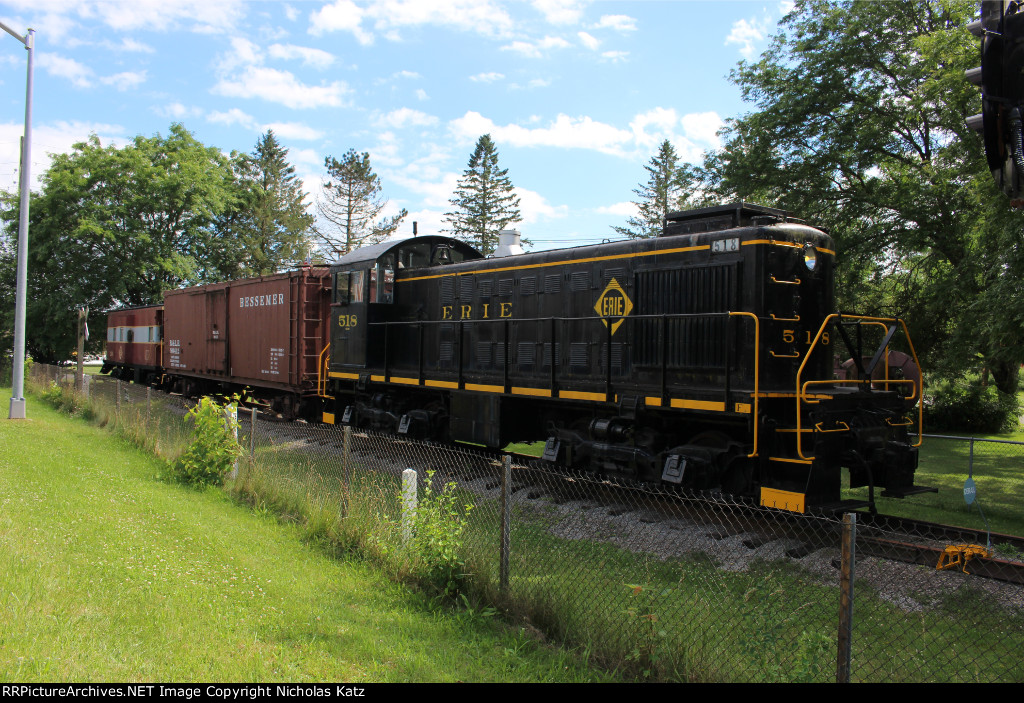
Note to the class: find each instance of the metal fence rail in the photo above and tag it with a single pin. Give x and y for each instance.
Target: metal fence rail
(692, 587)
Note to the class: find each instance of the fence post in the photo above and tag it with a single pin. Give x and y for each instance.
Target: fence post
(252, 434)
(231, 423)
(149, 403)
(408, 503)
(506, 521)
(346, 466)
(846, 576)
(117, 398)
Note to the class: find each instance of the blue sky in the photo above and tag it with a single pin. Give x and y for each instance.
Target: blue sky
(577, 95)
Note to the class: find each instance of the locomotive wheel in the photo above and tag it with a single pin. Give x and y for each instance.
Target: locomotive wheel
(734, 469)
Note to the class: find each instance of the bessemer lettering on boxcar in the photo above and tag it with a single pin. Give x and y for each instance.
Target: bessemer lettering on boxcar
(250, 301)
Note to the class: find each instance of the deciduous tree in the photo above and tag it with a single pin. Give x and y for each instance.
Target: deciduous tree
(116, 226)
(859, 125)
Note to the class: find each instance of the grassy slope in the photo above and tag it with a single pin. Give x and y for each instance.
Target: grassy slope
(108, 574)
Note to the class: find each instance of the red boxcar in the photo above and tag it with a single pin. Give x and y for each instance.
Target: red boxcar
(134, 350)
(266, 333)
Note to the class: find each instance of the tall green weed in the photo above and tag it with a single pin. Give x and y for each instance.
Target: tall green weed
(212, 454)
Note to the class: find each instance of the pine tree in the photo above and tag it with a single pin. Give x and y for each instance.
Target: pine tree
(267, 228)
(664, 192)
(484, 201)
(350, 203)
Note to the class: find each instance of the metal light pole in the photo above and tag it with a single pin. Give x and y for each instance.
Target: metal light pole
(17, 411)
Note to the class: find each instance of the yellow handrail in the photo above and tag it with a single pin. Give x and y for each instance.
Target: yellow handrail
(757, 373)
(321, 372)
(801, 390)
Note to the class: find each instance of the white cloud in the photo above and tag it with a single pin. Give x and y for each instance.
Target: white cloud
(243, 75)
(560, 11)
(702, 127)
(387, 17)
(487, 77)
(535, 206)
(285, 130)
(47, 139)
(531, 85)
(421, 94)
(292, 13)
(125, 81)
(406, 74)
(406, 117)
(129, 45)
(234, 116)
(623, 209)
(317, 58)
(620, 23)
(589, 41)
(201, 16)
(177, 111)
(646, 130)
(79, 74)
(653, 127)
(615, 56)
(565, 132)
(746, 32)
(536, 49)
(293, 130)
(281, 87)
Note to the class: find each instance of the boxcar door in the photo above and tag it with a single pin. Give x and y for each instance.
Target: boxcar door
(217, 331)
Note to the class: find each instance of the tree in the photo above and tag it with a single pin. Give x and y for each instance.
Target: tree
(350, 202)
(267, 227)
(668, 189)
(484, 202)
(860, 126)
(114, 227)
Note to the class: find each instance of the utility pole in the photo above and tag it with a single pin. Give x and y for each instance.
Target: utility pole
(17, 410)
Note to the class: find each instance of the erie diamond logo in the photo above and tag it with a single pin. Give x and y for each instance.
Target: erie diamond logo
(613, 305)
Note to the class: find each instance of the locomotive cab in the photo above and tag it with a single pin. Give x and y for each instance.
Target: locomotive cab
(364, 296)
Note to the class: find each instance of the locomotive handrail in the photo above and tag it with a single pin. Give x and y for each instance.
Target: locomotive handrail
(321, 372)
(801, 389)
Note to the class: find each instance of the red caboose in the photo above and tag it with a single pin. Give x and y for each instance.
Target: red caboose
(134, 349)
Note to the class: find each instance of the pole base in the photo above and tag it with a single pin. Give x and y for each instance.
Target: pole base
(17, 409)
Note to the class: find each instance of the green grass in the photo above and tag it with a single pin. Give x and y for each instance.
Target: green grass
(107, 573)
(690, 620)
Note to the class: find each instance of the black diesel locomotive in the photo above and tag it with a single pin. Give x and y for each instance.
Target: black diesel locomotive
(703, 358)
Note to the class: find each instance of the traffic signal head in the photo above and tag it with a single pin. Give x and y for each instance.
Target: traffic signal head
(1001, 77)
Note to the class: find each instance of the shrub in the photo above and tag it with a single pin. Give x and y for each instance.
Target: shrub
(965, 406)
(437, 537)
(213, 450)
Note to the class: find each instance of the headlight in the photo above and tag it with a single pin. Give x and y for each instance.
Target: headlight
(810, 256)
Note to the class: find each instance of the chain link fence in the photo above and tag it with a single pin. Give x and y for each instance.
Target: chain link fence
(658, 583)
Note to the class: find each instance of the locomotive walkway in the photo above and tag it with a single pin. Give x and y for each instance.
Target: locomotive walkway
(107, 574)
